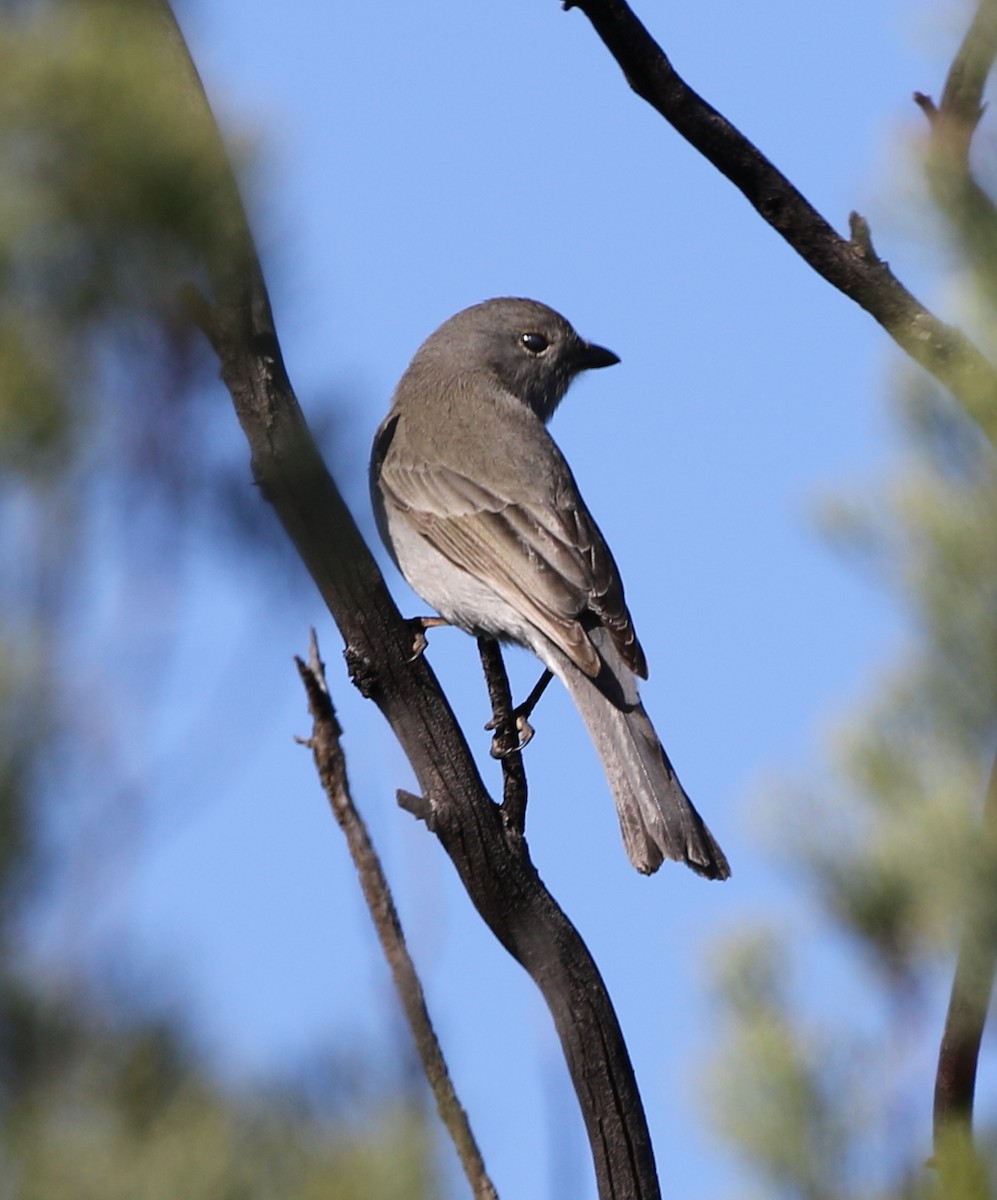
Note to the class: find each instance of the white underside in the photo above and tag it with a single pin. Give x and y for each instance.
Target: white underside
(457, 596)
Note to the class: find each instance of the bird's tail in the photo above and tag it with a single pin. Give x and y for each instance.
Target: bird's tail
(657, 818)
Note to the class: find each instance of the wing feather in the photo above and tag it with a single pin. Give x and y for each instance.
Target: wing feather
(549, 561)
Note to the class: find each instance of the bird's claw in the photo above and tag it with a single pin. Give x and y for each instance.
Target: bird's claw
(419, 625)
(515, 723)
(419, 642)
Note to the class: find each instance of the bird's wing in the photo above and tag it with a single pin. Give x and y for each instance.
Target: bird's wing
(545, 557)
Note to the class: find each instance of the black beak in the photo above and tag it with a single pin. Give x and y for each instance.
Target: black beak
(591, 356)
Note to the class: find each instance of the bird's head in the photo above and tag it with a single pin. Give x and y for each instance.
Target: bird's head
(531, 350)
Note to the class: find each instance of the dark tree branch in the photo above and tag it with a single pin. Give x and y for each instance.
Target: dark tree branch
(506, 745)
(331, 765)
(958, 1056)
(853, 267)
(849, 265)
(973, 215)
(492, 861)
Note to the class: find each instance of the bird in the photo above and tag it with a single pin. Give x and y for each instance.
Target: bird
(482, 515)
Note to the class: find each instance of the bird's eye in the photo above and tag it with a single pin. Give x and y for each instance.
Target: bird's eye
(535, 343)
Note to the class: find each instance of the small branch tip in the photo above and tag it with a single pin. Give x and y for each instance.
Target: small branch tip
(861, 237)
(315, 662)
(319, 701)
(418, 806)
(926, 105)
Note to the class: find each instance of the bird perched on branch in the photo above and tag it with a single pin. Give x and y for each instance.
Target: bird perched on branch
(483, 517)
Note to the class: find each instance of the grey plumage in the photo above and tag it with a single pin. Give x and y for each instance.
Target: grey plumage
(483, 517)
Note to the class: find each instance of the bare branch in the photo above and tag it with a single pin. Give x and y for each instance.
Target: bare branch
(492, 861)
(969, 1004)
(331, 765)
(941, 349)
(974, 217)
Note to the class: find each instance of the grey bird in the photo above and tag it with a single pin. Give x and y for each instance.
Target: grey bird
(483, 517)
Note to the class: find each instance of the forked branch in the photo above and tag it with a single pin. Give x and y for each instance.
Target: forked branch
(953, 122)
(847, 264)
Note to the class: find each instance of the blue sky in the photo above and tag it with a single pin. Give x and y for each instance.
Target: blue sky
(412, 160)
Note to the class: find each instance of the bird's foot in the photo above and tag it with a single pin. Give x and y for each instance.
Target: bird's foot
(516, 726)
(419, 625)
(512, 733)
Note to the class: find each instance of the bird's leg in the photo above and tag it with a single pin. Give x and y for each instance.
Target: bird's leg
(419, 625)
(505, 742)
(518, 719)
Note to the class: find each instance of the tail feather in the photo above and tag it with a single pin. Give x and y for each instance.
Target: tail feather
(657, 818)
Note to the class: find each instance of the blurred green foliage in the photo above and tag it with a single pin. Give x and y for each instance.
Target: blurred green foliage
(114, 197)
(834, 1099)
(112, 202)
(100, 1111)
